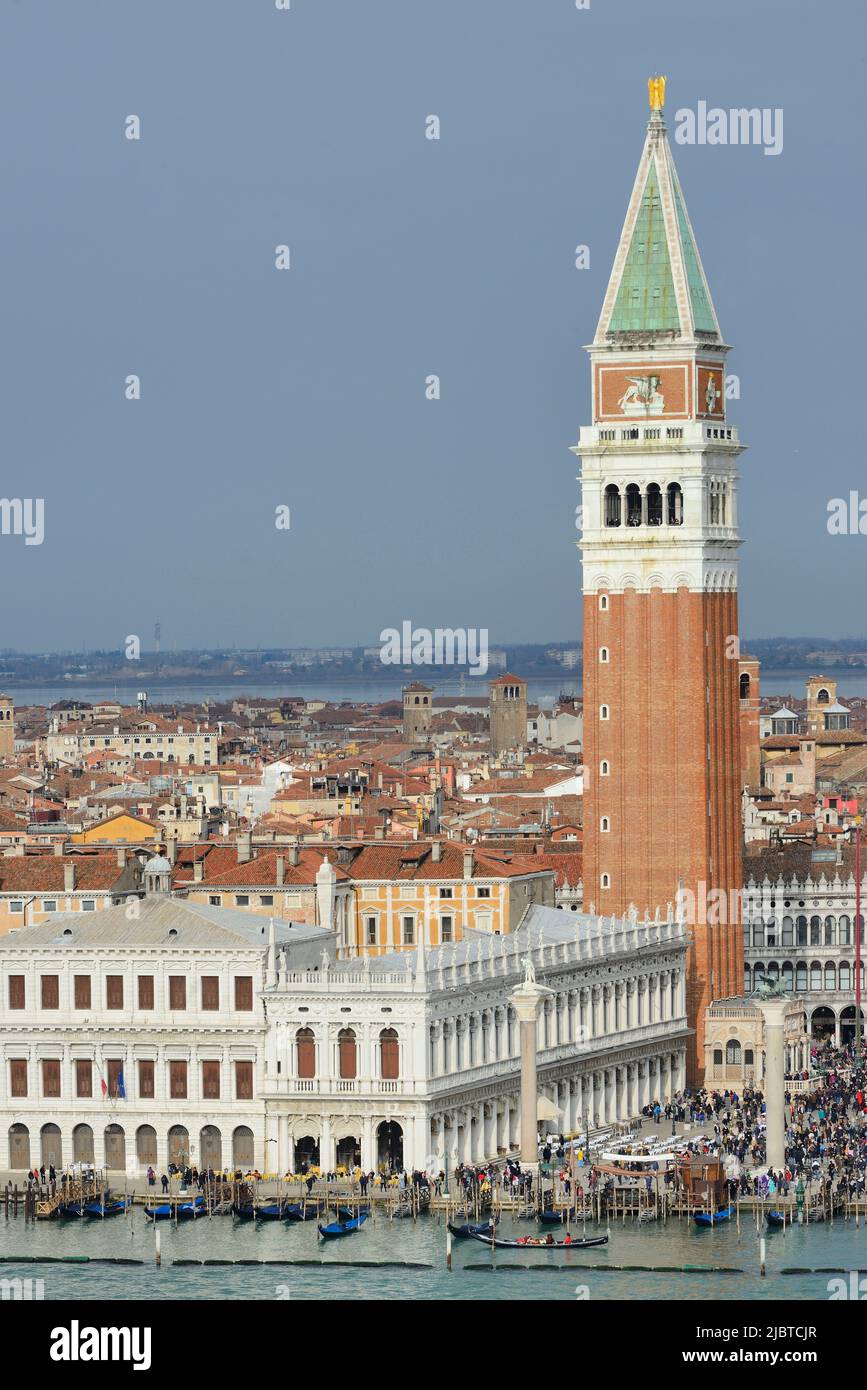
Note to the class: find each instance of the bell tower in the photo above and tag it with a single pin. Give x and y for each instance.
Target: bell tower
(659, 555)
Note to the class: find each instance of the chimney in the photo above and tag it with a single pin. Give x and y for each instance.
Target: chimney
(436, 851)
(69, 877)
(58, 848)
(379, 832)
(245, 847)
(294, 855)
(121, 857)
(468, 863)
(281, 870)
(172, 851)
(198, 870)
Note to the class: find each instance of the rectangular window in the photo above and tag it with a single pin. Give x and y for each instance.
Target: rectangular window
(146, 1079)
(211, 1080)
(49, 904)
(51, 1077)
(114, 991)
(88, 905)
(16, 991)
(210, 992)
(445, 892)
(243, 1080)
(145, 991)
(113, 1069)
(50, 985)
(83, 1075)
(81, 986)
(18, 1077)
(244, 993)
(16, 905)
(215, 900)
(371, 931)
(266, 900)
(177, 991)
(242, 900)
(445, 929)
(178, 1080)
(484, 892)
(408, 931)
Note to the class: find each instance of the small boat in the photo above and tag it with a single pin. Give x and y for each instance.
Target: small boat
(71, 1209)
(185, 1211)
(463, 1232)
(270, 1211)
(776, 1218)
(244, 1211)
(707, 1218)
(112, 1206)
(552, 1217)
(531, 1243)
(302, 1211)
(343, 1228)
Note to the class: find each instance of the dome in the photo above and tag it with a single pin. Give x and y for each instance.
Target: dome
(158, 864)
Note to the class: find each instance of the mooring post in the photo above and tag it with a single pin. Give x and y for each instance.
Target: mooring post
(762, 1257)
(158, 1254)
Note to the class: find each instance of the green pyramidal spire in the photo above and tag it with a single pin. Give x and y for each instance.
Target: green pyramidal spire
(657, 285)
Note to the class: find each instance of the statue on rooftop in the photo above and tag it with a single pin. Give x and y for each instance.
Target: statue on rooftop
(529, 969)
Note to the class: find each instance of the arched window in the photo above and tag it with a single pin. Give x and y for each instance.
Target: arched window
(612, 505)
(305, 1053)
(830, 976)
(829, 931)
(788, 932)
(815, 931)
(633, 505)
(802, 932)
(604, 768)
(823, 698)
(758, 933)
(733, 1053)
(845, 933)
(389, 1055)
(675, 504)
(347, 1054)
(815, 975)
(845, 975)
(604, 712)
(745, 686)
(603, 603)
(605, 825)
(717, 1057)
(788, 975)
(605, 881)
(748, 974)
(654, 505)
(801, 975)
(603, 655)
(749, 1057)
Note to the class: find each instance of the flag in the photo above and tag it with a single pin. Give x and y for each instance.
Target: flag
(121, 1086)
(103, 1085)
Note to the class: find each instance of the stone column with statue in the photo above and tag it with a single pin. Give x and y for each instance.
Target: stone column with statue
(525, 1001)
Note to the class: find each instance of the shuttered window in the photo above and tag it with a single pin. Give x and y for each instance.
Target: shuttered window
(145, 991)
(178, 1080)
(18, 1074)
(51, 1077)
(16, 991)
(210, 992)
(114, 991)
(82, 999)
(177, 991)
(305, 1042)
(50, 987)
(146, 1080)
(244, 992)
(211, 1080)
(83, 1075)
(114, 1069)
(243, 1080)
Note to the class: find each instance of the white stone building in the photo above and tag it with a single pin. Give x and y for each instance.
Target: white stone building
(413, 1058)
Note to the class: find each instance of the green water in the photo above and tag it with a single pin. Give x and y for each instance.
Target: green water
(477, 1273)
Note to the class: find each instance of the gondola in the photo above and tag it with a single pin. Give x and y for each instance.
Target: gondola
(165, 1211)
(302, 1211)
(71, 1209)
(343, 1228)
(580, 1243)
(463, 1232)
(706, 1218)
(776, 1218)
(270, 1211)
(244, 1211)
(112, 1206)
(551, 1218)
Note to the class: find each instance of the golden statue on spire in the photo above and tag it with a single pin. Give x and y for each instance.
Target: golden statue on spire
(656, 92)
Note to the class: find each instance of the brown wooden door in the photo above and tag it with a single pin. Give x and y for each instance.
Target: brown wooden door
(242, 1148)
(179, 1145)
(115, 1148)
(19, 1147)
(146, 1144)
(82, 1144)
(210, 1147)
(52, 1150)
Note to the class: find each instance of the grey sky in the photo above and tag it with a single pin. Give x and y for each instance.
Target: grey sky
(409, 257)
